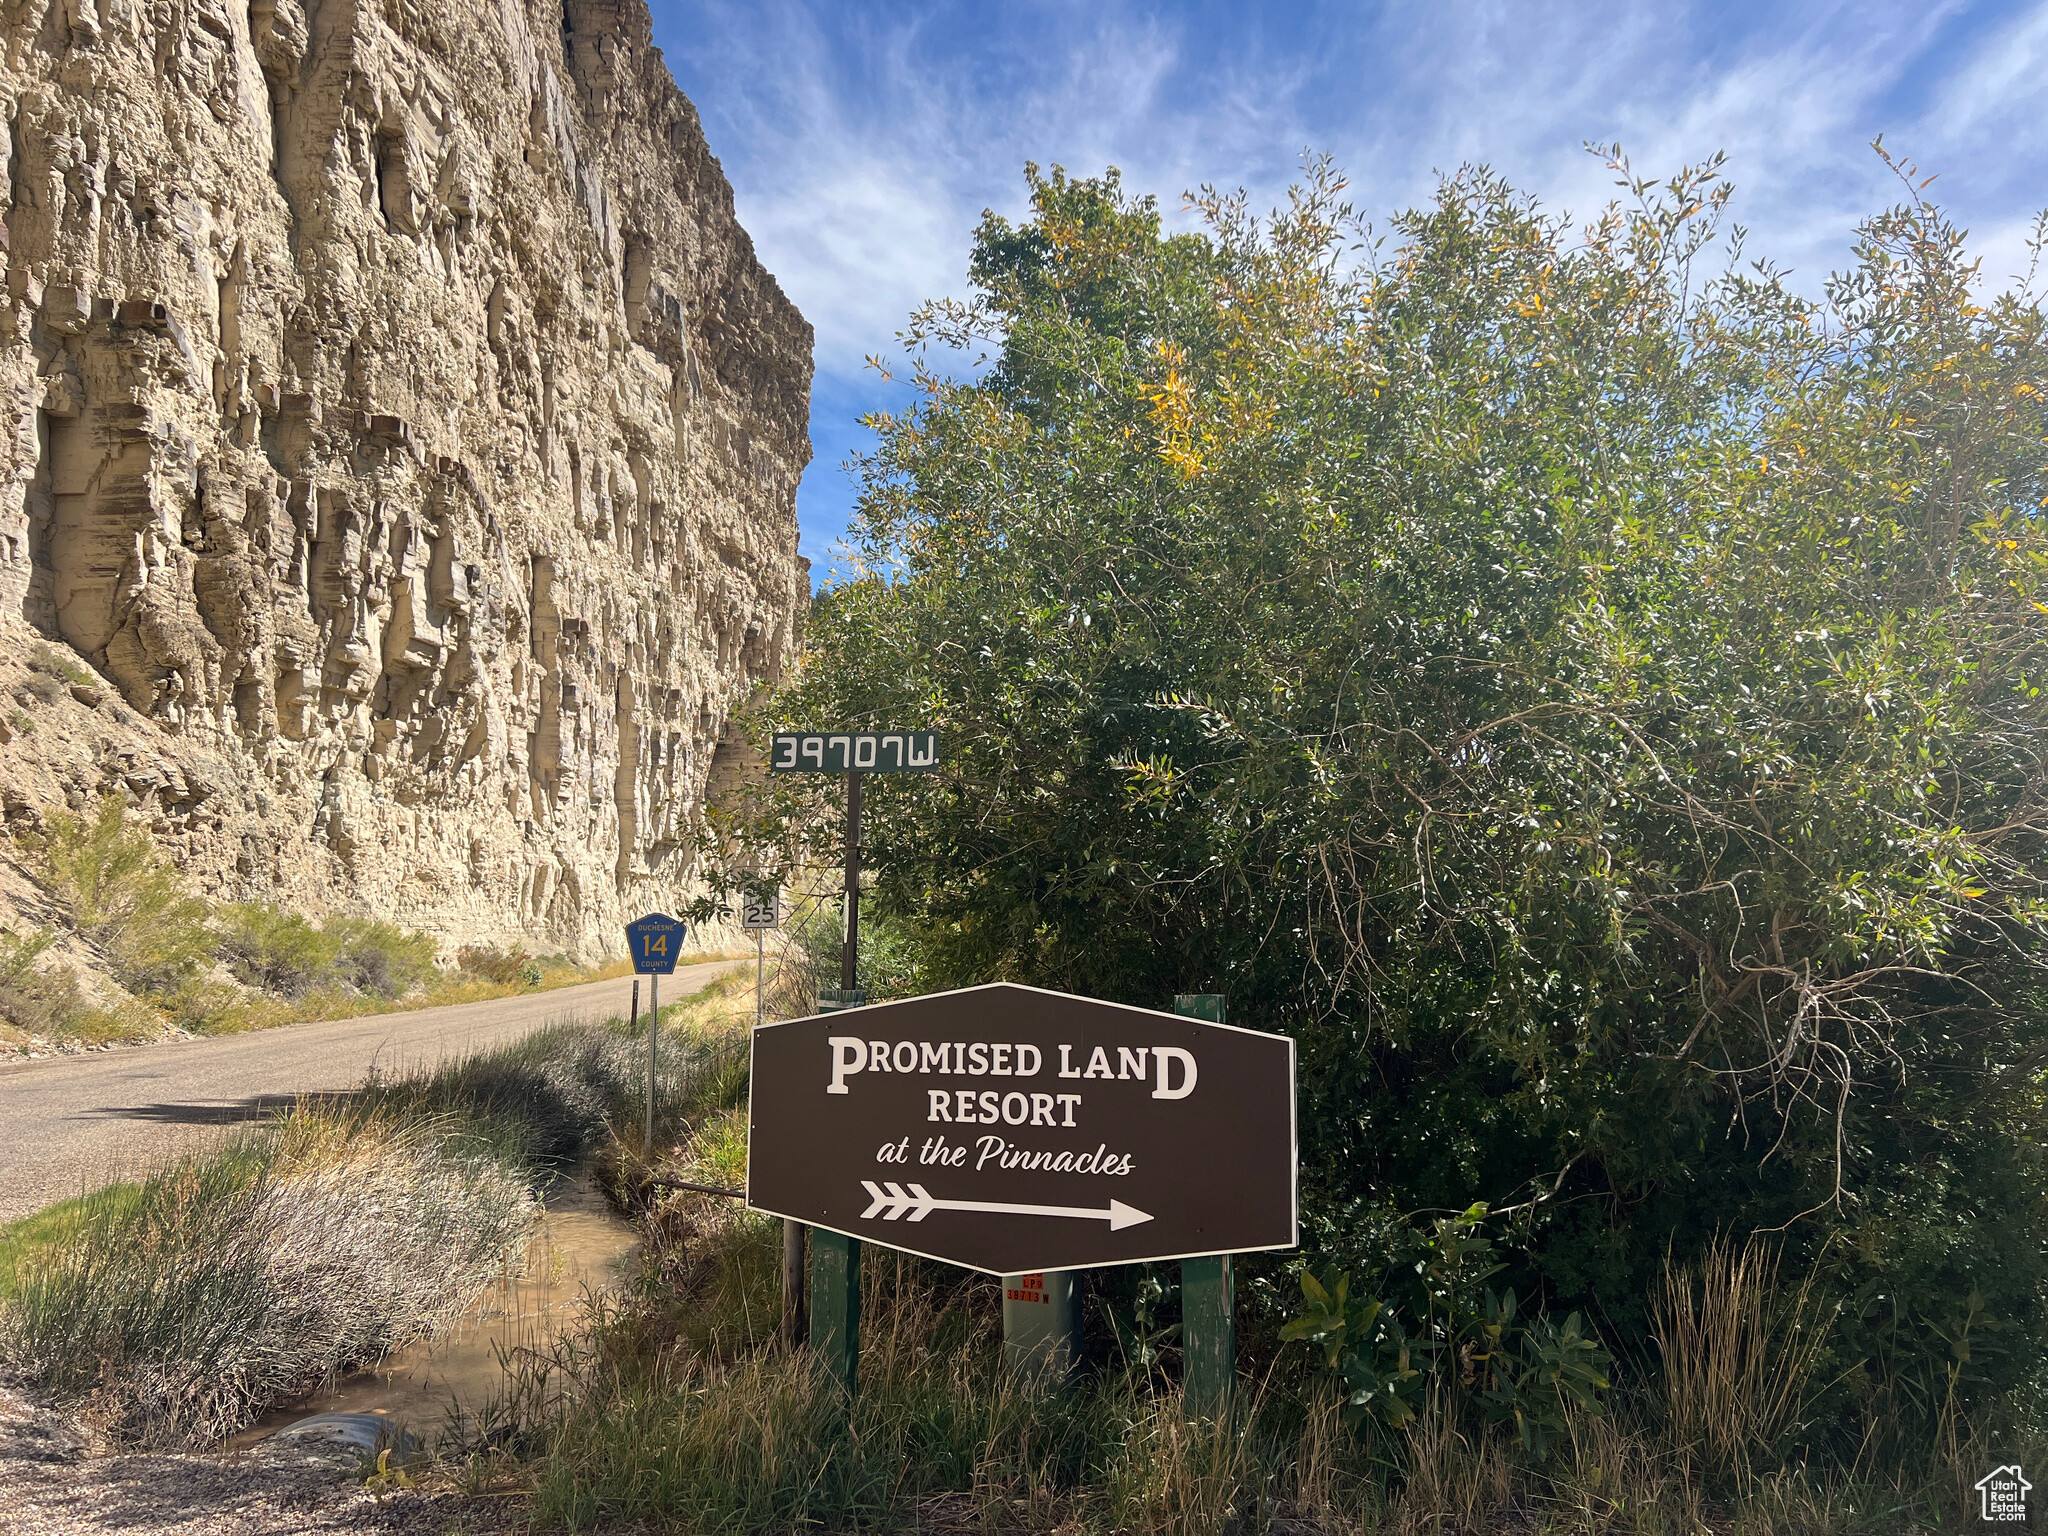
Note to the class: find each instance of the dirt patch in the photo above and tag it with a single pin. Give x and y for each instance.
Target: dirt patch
(52, 1483)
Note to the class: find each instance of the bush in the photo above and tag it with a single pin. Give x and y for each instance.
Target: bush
(278, 951)
(505, 967)
(377, 958)
(122, 898)
(48, 1001)
(47, 661)
(45, 690)
(1585, 692)
(282, 953)
(1445, 1333)
(204, 1006)
(888, 954)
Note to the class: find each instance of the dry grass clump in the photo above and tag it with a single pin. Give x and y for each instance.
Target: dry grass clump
(177, 1308)
(506, 967)
(1738, 1350)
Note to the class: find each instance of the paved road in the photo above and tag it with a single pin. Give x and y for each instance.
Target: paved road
(71, 1122)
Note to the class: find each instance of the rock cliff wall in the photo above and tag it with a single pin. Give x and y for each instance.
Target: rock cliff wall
(395, 417)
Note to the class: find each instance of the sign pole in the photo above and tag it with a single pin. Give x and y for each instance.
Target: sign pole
(792, 1282)
(653, 1034)
(635, 1026)
(1208, 1316)
(654, 941)
(835, 1259)
(849, 954)
(835, 1306)
(762, 911)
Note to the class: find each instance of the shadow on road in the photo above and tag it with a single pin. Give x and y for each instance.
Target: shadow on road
(262, 1106)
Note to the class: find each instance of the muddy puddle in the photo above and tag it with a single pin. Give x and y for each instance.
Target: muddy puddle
(579, 1246)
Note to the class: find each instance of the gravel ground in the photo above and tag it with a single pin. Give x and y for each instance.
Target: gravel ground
(53, 1484)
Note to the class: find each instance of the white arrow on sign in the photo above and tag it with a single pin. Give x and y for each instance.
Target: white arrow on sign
(917, 1203)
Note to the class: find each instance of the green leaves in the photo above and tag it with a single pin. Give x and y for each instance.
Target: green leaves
(1364, 1346)
(123, 897)
(1466, 1345)
(1592, 698)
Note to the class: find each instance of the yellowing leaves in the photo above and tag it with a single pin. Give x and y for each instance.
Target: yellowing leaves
(1173, 411)
(1532, 306)
(1193, 426)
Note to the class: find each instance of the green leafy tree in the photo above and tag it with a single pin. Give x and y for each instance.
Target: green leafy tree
(1588, 693)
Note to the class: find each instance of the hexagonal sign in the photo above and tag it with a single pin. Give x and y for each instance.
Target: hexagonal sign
(1013, 1130)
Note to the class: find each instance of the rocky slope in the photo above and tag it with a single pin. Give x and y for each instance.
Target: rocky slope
(401, 432)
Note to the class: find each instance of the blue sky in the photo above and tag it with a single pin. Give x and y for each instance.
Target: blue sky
(863, 141)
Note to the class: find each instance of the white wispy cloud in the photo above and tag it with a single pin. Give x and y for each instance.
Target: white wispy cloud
(864, 143)
(1996, 97)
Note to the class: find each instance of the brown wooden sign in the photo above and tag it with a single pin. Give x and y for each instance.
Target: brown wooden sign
(1015, 1131)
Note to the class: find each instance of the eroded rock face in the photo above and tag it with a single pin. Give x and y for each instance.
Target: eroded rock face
(397, 416)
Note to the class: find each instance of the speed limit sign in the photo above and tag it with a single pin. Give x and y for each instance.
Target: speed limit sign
(762, 909)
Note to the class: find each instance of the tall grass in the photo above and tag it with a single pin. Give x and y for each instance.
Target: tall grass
(675, 1410)
(678, 1410)
(175, 1308)
(1739, 1351)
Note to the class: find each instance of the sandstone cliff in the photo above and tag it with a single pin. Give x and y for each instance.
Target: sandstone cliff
(397, 420)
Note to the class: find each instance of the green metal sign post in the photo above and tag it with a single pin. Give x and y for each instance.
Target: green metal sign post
(835, 1258)
(1208, 1316)
(835, 1305)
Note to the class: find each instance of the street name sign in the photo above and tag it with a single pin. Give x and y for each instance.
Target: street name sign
(1016, 1131)
(654, 941)
(854, 752)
